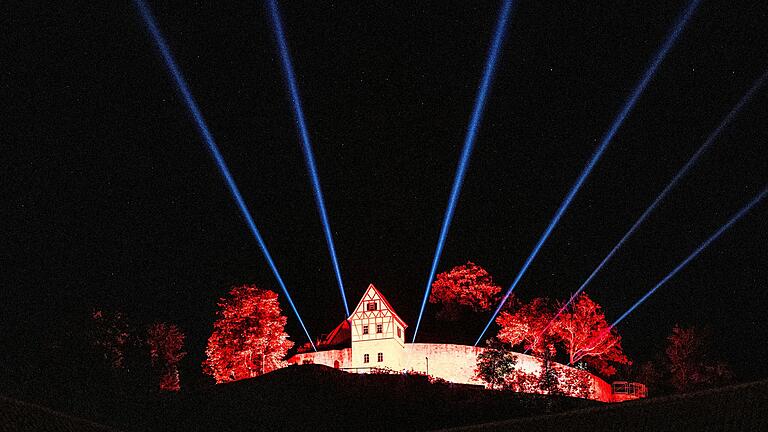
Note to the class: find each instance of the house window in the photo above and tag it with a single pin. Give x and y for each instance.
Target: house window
(378, 328)
(380, 357)
(365, 329)
(366, 358)
(399, 333)
(372, 306)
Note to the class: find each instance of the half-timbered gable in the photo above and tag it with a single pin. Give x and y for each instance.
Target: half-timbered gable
(374, 318)
(378, 333)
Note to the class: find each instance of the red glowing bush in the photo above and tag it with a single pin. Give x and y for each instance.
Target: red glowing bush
(248, 337)
(165, 349)
(465, 286)
(575, 382)
(523, 382)
(495, 364)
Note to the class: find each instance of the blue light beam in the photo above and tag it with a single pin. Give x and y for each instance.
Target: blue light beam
(695, 253)
(599, 338)
(469, 142)
(683, 171)
(685, 262)
(194, 110)
(669, 42)
(309, 157)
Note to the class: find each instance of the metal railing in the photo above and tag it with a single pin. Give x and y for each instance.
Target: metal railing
(369, 369)
(629, 389)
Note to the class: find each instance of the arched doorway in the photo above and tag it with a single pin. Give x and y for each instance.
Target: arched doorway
(336, 364)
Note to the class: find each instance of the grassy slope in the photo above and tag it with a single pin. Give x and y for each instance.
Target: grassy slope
(314, 397)
(742, 407)
(21, 416)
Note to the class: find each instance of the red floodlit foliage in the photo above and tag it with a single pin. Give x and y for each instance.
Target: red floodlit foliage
(525, 326)
(556, 380)
(495, 364)
(468, 286)
(689, 366)
(649, 373)
(523, 382)
(586, 335)
(575, 382)
(685, 354)
(165, 349)
(112, 336)
(248, 337)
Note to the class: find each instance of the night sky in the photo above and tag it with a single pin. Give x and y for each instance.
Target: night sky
(110, 198)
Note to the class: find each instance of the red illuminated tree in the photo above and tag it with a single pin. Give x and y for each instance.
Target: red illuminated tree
(526, 326)
(689, 364)
(495, 364)
(549, 378)
(165, 349)
(112, 336)
(650, 374)
(587, 336)
(248, 337)
(467, 286)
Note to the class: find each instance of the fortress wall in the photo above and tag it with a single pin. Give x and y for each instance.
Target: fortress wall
(328, 358)
(457, 363)
(453, 363)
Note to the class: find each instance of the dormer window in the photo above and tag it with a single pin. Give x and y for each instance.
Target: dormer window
(371, 306)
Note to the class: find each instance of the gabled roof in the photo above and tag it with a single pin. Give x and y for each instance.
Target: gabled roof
(340, 335)
(373, 292)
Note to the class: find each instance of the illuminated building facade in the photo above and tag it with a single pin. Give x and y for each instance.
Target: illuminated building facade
(372, 339)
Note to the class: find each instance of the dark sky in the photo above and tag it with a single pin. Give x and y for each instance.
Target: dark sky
(111, 199)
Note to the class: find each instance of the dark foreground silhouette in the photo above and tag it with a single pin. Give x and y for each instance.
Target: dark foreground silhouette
(742, 407)
(318, 398)
(314, 397)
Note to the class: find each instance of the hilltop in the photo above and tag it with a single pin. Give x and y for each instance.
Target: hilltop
(319, 398)
(314, 397)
